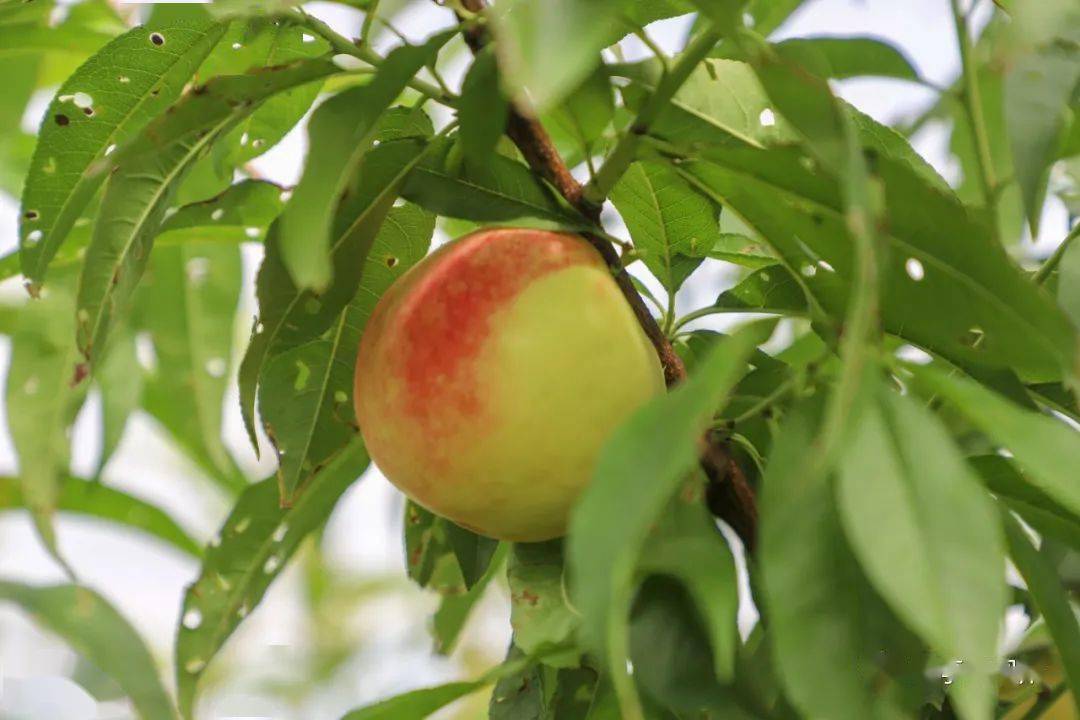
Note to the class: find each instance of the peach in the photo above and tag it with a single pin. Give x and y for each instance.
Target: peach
(492, 372)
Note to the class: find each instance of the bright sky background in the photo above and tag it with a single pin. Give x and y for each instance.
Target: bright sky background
(145, 579)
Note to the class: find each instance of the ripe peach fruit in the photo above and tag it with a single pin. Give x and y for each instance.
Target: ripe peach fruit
(490, 375)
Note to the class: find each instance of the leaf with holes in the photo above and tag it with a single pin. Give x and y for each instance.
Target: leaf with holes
(341, 131)
(107, 100)
(639, 470)
(306, 392)
(996, 317)
(771, 289)
(270, 43)
(40, 394)
(188, 306)
(255, 543)
(148, 171)
(289, 316)
(95, 500)
(88, 623)
(240, 213)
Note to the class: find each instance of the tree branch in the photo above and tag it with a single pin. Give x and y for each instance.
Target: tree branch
(731, 496)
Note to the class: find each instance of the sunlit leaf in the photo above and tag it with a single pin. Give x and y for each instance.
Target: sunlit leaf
(126, 84)
(148, 171)
(666, 218)
(88, 623)
(254, 545)
(247, 204)
(341, 131)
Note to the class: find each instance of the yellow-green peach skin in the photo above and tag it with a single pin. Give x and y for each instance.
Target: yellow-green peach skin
(490, 375)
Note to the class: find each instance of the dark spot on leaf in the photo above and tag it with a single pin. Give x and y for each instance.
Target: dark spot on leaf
(817, 218)
(88, 111)
(62, 119)
(30, 215)
(81, 371)
(391, 261)
(157, 38)
(871, 156)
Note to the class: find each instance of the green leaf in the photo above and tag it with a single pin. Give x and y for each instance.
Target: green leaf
(26, 38)
(425, 701)
(289, 316)
(1068, 289)
(492, 190)
(579, 122)
(247, 204)
(148, 172)
(459, 598)
(1039, 86)
(254, 545)
(900, 483)
(770, 289)
(855, 56)
(1046, 449)
(726, 15)
(268, 42)
(41, 400)
(639, 470)
(539, 613)
(131, 80)
(482, 109)
(666, 218)
(120, 380)
(1051, 599)
(88, 623)
(822, 615)
(672, 659)
(688, 547)
(527, 31)
(341, 131)
(93, 499)
(800, 214)
(188, 305)
(1038, 509)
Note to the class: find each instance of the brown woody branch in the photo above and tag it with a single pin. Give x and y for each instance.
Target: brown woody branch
(729, 494)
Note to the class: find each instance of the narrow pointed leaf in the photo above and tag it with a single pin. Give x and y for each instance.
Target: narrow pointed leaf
(1046, 449)
(638, 471)
(1050, 598)
(88, 623)
(247, 204)
(290, 316)
(340, 133)
(120, 380)
(900, 484)
(483, 109)
(254, 545)
(148, 171)
(124, 85)
(856, 56)
(188, 305)
(93, 499)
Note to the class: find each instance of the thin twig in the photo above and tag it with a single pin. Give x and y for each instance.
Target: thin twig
(1051, 262)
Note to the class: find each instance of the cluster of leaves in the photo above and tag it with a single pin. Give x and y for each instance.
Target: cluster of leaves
(892, 492)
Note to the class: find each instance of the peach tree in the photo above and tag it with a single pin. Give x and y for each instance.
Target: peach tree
(888, 452)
